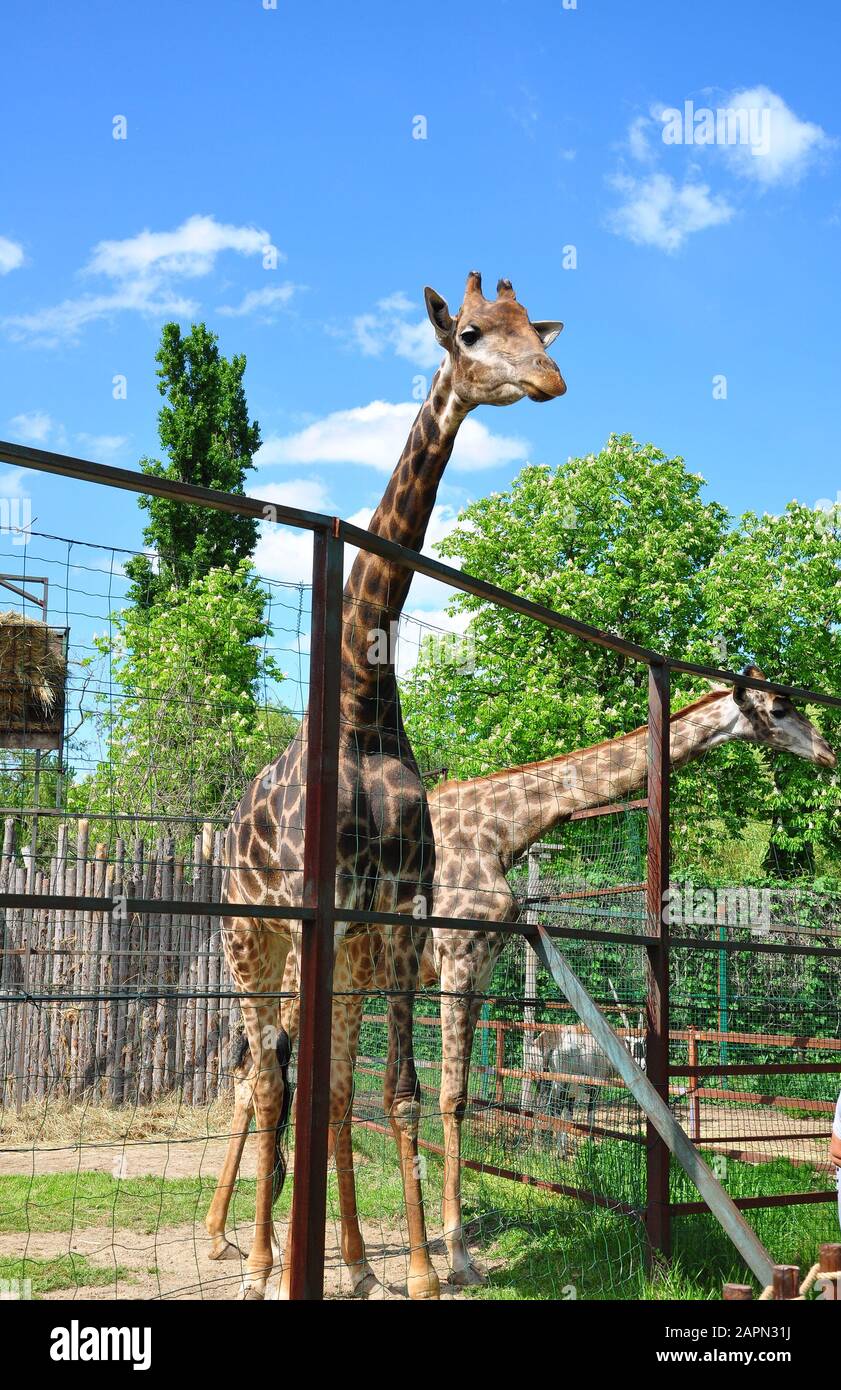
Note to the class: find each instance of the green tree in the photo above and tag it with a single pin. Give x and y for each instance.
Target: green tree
(210, 441)
(191, 712)
(624, 540)
(773, 593)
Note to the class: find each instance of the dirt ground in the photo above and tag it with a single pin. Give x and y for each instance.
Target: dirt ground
(173, 1263)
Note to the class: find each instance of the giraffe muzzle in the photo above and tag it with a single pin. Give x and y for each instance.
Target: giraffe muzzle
(547, 382)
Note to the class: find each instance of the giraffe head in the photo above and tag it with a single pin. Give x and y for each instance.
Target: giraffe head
(774, 722)
(497, 354)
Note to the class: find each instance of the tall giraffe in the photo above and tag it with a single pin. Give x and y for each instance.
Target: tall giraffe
(494, 355)
(482, 826)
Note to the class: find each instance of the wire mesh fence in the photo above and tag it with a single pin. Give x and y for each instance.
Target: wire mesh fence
(127, 1087)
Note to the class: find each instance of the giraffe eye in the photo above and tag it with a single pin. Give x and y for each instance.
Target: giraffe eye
(779, 708)
(470, 335)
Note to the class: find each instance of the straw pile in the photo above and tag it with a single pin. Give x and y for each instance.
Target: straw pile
(32, 671)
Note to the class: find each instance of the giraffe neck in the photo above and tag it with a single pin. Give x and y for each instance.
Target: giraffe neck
(376, 589)
(527, 802)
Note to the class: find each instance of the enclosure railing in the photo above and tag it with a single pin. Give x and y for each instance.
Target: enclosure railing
(318, 912)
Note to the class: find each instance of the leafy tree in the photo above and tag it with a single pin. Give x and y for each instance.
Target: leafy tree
(183, 723)
(210, 441)
(624, 540)
(773, 593)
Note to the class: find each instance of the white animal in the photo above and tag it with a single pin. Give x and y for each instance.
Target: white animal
(571, 1051)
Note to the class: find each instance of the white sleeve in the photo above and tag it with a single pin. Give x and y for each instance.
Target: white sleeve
(836, 1123)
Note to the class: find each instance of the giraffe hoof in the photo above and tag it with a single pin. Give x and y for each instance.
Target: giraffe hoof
(222, 1249)
(470, 1276)
(368, 1287)
(425, 1285)
(252, 1293)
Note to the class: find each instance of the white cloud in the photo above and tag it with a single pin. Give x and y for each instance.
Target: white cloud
(32, 427)
(388, 327)
(791, 147)
(102, 444)
(272, 297)
(11, 255)
(15, 482)
(186, 252)
(310, 494)
(374, 435)
(656, 211)
(284, 554)
(142, 271)
(638, 141)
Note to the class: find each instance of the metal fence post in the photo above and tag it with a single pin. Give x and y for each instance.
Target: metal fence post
(312, 1103)
(657, 1213)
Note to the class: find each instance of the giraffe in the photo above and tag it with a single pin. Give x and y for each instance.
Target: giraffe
(493, 355)
(482, 826)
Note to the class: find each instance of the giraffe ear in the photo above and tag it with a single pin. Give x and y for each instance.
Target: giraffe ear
(547, 330)
(439, 316)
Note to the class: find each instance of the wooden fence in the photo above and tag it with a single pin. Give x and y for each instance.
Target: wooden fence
(110, 1006)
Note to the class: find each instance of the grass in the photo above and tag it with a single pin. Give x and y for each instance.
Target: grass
(54, 1275)
(537, 1245)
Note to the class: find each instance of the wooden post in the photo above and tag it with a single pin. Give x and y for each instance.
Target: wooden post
(830, 1263)
(786, 1282)
(657, 1214)
(737, 1293)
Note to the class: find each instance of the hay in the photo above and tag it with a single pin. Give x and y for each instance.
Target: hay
(33, 670)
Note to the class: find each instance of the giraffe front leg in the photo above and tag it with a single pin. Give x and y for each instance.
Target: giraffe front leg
(352, 972)
(402, 1103)
(215, 1221)
(261, 1027)
(458, 1026)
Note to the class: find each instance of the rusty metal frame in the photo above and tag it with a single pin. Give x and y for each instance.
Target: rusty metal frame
(318, 913)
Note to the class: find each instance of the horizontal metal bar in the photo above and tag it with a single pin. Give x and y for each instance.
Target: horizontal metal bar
(776, 1199)
(24, 996)
(402, 919)
(754, 1098)
(756, 1069)
(794, 692)
(480, 588)
(579, 893)
(129, 480)
(156, 906)
(69, 466)
(711, 1140)
(615, 809)
(782, 948)
(157, 818)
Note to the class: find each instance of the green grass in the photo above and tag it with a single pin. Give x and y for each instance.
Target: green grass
(539, 1245)
(62, 1272)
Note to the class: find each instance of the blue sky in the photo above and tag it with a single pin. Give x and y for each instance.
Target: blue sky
(293, 128)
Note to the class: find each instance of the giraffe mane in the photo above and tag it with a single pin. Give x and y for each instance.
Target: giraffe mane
(707, 699)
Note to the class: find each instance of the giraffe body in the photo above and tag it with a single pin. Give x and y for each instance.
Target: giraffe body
(385, 846)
